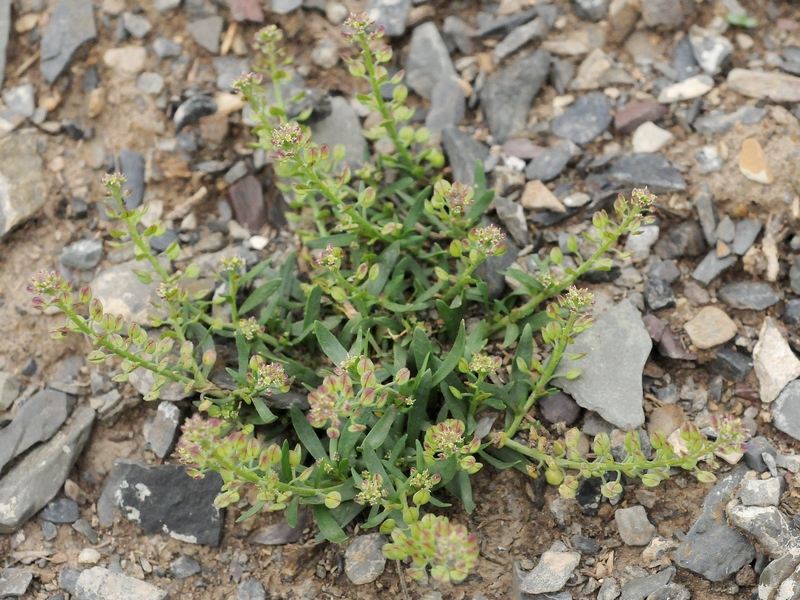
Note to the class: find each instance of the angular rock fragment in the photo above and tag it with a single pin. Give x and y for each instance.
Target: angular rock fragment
(774, 362)
(71, 25)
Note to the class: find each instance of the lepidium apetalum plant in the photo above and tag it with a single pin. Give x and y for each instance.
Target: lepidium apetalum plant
(404, 402)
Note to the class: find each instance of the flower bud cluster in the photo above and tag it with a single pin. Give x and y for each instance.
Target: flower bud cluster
(372, 490)
(446, 439)
(448, 549)
(483, 364)
(250, 328)
(489, 240)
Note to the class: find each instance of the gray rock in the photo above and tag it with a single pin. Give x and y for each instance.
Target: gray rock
(68, 580)
(121, 292)
(14, 582)
(786, 410)
(791, 315)
(5, 28)
(166, 48)
(634, 527)
(342, 127)
(732, 365)
(747, 231)
(9, 390)
(502, 26)
(726, 230)
(61, 510)
(588, 117)
(22, 193)
(448, 105)
(761, 492)
(82, 255)
(711, 548)
(250, 589)
(524, 34)
(463, 152)
(658, 294)
(720, 122)
(183, 567)
(610, 589)
(176, 505)
(642, 587)
(161, 432)
(460, 32)
(683, 60)
(770, 527)
(559, 408)
(280, 533)
(98, 583)
(647, 169)
(685, 239)
(748, 295)
(709, 160)
(756, 448)
(673, 591)
(611, 383)
(206, 32)
(284, 7)
(507, 96)
(428, 60)
(512, 215)
(779, 573)
(192, 110)
(549, 164)
(711, 51)
(491, 269)
(71, 25)
(150, 83)
(711, 266)
(390, 14)
(163, 6)
(35, 480)
(136, 25)
(669, 14)
(229, 69)
(703, 202)
(364, 561)
(82, 526)
(36, 421)
(107, 503)
(131, 164)
(550, 574)
(590, 10)
(20, 100)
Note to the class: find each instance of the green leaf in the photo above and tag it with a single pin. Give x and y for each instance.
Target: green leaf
(263, 411)
(451, 316)
(387, 262)
(450, 361)
(243, 352)
(260, 268)
(251, 511)
(313, 305)
(292, 512)
(512, 331)
(260, 295)
(329, 344)
(286, 465)
(328, 526)
(742, 20)
(421, 346)
(306, 434)
(381, 429)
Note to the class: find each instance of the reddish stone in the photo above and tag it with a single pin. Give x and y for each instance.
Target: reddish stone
(654, 326)
(672, 348)
(247, 201)
(635, 112)
(522, 148)
(246, 10)
(787, 24)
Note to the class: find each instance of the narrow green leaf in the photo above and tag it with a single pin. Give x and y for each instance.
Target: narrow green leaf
(381, 429)
(307, 434)
(243, 352)
(292, 512)
(251, 511)
(260, 295)
(329, 344)
(263, 411)
(328, 526)
(450, 361)
(313, 305)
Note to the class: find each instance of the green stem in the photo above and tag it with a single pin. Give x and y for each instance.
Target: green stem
(550, 368)
(251, 476)
(388, 121)
(463, 280)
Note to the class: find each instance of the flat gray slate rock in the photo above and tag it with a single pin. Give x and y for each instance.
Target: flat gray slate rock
(786, 410)
(748, 295)
(98, 583)
(610, 382)
(71, 25)
(647, 169)
(507, 97)
(22, 193)
(712, 548)
(463, 152)
(163, 499)
(31, 484)
(390, 14)
(37, 421)
(428, 61)
(588, 117)
(342, 126)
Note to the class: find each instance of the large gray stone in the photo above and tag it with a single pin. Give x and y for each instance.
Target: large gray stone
(21, 181)
(712, 548)
(463, 152)
(651, 170)
(121, 292)
(771, 528)
(37, 421)
(586, 119)
(428, 60)
(610, 382)
(390, 14)
(786, 410)
(507, 96)
(98, 583)
(32, 483)
(71, 25)
(748, 295)
(342, 127)
(364, 560)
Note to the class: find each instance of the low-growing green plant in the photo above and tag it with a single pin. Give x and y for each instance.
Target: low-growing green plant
(415, 376)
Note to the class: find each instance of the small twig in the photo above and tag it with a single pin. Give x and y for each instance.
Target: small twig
(402, 580)
(26, 65)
